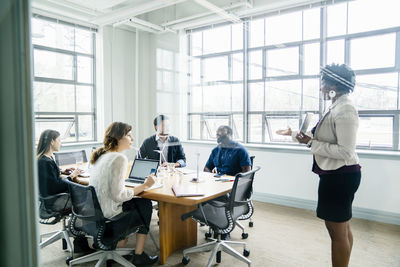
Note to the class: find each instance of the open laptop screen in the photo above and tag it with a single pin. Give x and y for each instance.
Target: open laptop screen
(141, 168)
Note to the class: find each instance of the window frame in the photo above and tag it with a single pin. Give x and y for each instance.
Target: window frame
(58, 116)
(323, 42)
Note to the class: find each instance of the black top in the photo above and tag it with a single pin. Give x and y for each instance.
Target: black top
(50, 182)
(175, 152)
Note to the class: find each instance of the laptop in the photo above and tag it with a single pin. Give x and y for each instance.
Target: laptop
(141, 168)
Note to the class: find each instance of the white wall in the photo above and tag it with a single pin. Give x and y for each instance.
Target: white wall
(116, 79)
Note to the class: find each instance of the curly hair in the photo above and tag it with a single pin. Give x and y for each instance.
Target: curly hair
(340, 76)
(114, 132)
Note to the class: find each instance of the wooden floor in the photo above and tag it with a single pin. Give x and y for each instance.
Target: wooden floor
(281, 236)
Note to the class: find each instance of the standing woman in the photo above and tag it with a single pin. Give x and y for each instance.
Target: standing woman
(50, 182)
(335, 161)
(107, 177)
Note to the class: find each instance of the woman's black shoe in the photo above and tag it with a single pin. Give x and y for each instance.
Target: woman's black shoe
(144, 259)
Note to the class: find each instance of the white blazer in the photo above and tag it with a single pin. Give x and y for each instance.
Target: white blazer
(334, 140)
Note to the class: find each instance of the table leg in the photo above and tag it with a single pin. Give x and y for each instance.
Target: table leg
(175, 233)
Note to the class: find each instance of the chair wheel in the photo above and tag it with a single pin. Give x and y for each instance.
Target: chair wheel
(218, 258)
(251, 224)
(68, 259)
(245, 235)
(185, 260)
(207, 235)
(246, 252)
(64, 244)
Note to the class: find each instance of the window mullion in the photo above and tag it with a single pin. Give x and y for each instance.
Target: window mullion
(396, 131)
(245, 28)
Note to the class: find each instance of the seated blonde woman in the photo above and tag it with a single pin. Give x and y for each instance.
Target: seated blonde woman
(107, 177)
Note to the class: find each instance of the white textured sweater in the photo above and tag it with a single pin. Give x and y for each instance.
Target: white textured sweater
(107, 177)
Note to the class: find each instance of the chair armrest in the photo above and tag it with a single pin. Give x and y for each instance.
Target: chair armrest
(242, 202)
(54, 196)
(217, 204)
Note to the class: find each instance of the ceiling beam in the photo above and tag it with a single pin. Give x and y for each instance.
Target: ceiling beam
(133, 10)
(139, 27)
(219, 11)
(144, 25)
(207, 13)
(75, 7)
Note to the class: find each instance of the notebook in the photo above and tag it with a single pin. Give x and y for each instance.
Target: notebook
(187, 190)
(141, 168)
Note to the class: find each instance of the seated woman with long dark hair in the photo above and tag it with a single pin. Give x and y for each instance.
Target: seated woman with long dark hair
(50, 182)
(107, 177)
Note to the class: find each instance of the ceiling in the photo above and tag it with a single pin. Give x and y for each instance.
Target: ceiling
(159, 16)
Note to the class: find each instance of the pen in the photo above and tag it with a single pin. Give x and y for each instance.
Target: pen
(224, 180)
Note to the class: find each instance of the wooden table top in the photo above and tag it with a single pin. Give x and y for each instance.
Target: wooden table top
(207, 185)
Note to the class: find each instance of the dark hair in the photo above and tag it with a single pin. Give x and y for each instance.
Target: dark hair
(227, 128)
(114, 132)
(157, 120)
(340, 76)
(45, 141)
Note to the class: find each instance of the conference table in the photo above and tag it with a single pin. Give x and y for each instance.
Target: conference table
(174, 233)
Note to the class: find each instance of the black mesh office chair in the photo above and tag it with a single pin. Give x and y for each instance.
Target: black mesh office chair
(250, 211)
(53, 209)
(246, 216)
(64, 158)
(221, 217)
(87, 218)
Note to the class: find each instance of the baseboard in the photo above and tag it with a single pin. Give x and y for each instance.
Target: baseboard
(362, 213)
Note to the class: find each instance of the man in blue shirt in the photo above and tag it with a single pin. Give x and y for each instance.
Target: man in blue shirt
(229, 157)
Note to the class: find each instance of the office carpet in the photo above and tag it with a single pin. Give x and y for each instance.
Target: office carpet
(281, 236)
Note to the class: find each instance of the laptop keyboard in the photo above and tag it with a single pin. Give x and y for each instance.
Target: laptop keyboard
(135, 181)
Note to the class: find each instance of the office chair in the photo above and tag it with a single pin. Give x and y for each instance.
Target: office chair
(64, 158)
(88, 219)
(53, 209)
(250, 211)
(221, 217)
(246, 216)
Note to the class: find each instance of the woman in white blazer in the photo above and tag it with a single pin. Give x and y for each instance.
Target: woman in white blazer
(333, 145)
(107, 177)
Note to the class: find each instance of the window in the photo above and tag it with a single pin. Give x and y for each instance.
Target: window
(272, 81)
(216, 81)
(64, 84)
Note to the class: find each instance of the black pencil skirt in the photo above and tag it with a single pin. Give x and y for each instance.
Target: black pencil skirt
(336, 194)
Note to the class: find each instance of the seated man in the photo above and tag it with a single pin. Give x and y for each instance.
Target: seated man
(163, 145)
(229, 157)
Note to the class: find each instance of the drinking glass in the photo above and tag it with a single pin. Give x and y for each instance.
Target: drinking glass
(161, 173)
(79, 163)
(171, 167)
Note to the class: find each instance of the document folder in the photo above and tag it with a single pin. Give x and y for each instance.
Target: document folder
(188, 190)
